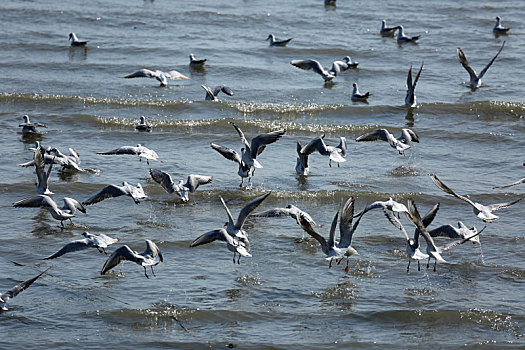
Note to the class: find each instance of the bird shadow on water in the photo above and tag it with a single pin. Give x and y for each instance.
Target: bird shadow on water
(77, 53)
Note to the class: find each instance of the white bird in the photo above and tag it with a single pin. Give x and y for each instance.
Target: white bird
(331, 248)
(390, 205)
(484, 212)
(347, 63)
(301, 166)
(401, 144)
(290, 210)
(402, 38)
(387, 31)
(318, 68)
(75, 41)
(30, 128)
(460, 232)
(357, 96)
(498, 28)
(152, 256)
(142, 125)
(432, 250)
(475, 79)
(111, 191)
(141, 151)
(101, 242)
(509, 185)
(252, 149)
(410, 98)
(276, 42)
(41, 174)
(335, 154)
(13, 292)
(235, 237)
(228, 153)
(181, 188)
(195, 63)
(161, 76)
(67, 212)
(69, 162)
(212, 95)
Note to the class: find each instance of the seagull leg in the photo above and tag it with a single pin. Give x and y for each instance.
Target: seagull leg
(145, 272)
(418, 266)
(338, 165)
(428, 262)
(242, 180)
(153, 271)
(234, 257)
(346, 268)
(339, 261)
(435, 263)
(330, 265)
(408, 266)
(238, 259)
(330, 163)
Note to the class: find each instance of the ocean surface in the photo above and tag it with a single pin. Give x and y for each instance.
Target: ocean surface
(285, 296)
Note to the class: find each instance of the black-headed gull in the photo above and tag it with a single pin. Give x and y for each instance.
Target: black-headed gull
(143, 125)
(67, 212)
(498, 28)
(410, 98)
(181, 188)
(161, 76)
(335, 154)
(111, 191)
(357, 96)
(290, 210)
(228, 153)
(13, 292)
(75, 41)
(475, 79)
(387, 31)
(100, 241)
(401, 144)
(149, 257)
(141, 151)
(30, 128)
(402, 38)
(212, 95)
(277, 42)
(196, 63)
(328, 75)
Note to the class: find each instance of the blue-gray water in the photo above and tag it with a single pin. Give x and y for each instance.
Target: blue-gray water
(284, 297)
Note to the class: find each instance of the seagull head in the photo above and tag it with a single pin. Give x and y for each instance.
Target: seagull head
(26, 120)
(351, 251)
(269, 37)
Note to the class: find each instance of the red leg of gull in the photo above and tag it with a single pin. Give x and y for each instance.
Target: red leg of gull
(330, 265)
(145, 272)
(238, 259)
(153, 271)
(346, 268)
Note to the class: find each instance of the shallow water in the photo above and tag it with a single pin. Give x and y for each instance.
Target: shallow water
(285, 296)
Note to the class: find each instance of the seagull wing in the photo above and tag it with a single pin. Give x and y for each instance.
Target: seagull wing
(260, 141)
(444, 231)
(248, 208)
(316, 145)
(512, 184)
(414, 216)
(121, 150)
(244, 140)
(463, 60)
(152, 253)
(164, 179)
(482, 73)
(173, 74)
(74, 154)
(34, 202)
(494, 207)
(409, 79)
(227, 153)
(74, 246)
(458, 242)
(408, 135)
(109, 191)
(273, 213)
(143, 73)
(194, 181)
(417, 76)
(430, 215)
(209, 93)
(346, 230)
(73, 205)
(307, 227)
(40, 167)
(224, 89)
(379, 134)
(13, 292)
(210, 236)
(310, 65)
(446, 189)
(122, 253)
(394, 221)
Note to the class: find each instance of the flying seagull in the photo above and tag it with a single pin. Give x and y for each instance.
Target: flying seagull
(212, 95)
(484, 212)
(30, 128)
(331, 248)
(41, 174)
(101, 242)
(67, 212)
(410, 98)
(111, 191)
(335, 154)
(314, 65)
(475, 79)
(228, 153)
(161, 76)
(181, 188)
(460, 232)
(401, 144)
(390, 205)
(235, 237)
(150, 257)
(13, 292)
(290, 210)
(509, 185)
(276, 42)
(141, 151)
(75, 41)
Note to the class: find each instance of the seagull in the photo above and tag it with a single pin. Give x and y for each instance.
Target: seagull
(335, 154)
(228, 153)
(41, 174)
(290, 210)
(30, 128)
(13, 292)
(212, 95)
(498, 28)
(331, 248)
(410, 98)
(75, 41)
(390, 205)
(143, 126)
(182, 189)
(509, 185)
(402, 38)
(318, 68)
(69, 163)
(67, 212)
(401, 144)
(141, 151)
(101, 242)
(250, 151)
(195, 63)
(357, 96)
(460, 232)
(161, 76)
(235, 237)
(387, 31)
(484, 212)
(275, 42)
(110, 191)
(432, 250)
(150, 257)
(347, 63)
(475, 79)
(301, 166)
